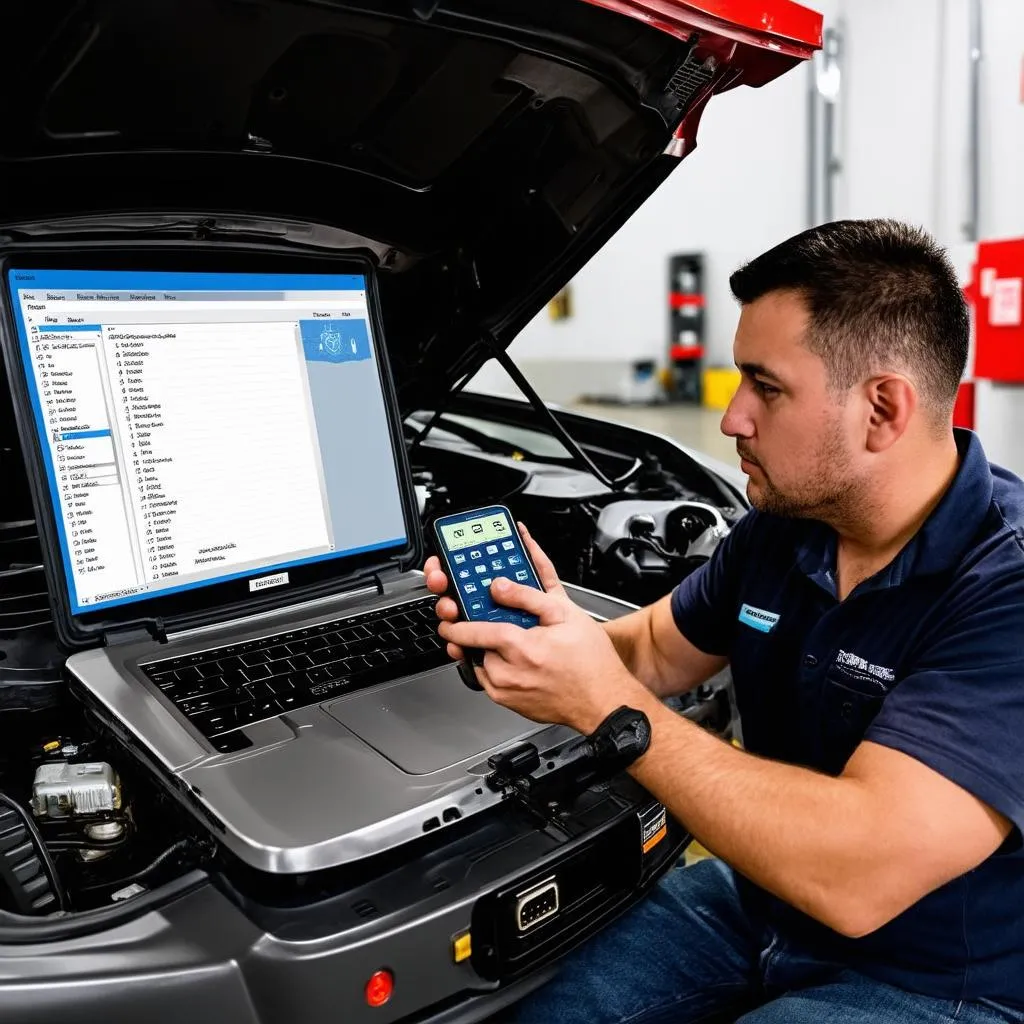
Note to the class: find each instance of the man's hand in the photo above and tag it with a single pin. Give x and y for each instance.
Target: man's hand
(564, 671)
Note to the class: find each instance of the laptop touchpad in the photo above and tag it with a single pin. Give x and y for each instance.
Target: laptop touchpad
(428, 722)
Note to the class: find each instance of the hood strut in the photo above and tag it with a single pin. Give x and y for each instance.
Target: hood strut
(551, 421)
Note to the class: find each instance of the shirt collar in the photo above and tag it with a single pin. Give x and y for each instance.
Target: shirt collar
(937, 546)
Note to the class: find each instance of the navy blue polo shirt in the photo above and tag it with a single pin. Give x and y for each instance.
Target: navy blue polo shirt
(926, 657)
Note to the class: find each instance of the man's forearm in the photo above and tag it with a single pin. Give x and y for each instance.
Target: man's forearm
(802, 836)
(622, 633)
(631, 637)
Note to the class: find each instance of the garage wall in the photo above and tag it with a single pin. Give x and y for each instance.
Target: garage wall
(903, 136)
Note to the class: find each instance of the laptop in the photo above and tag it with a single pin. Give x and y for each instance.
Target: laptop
(233, 546)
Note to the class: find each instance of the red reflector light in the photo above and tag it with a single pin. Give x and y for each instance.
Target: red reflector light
(379, 988)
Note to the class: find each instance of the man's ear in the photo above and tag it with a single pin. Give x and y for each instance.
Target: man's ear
(892, 401)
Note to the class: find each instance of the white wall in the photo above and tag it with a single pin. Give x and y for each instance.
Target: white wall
(1002, 213)
(904, 153)
(906, 95)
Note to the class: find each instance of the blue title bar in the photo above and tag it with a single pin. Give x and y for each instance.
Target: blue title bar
(62, 328)
(144, 280)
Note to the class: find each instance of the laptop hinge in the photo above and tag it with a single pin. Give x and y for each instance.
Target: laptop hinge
(135, 632)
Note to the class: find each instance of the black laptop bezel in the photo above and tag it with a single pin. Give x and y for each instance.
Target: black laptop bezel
(214, 603)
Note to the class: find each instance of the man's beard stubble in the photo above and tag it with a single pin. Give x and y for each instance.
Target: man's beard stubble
(826, 491)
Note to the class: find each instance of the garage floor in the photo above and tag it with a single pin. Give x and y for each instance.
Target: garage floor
(692, 425)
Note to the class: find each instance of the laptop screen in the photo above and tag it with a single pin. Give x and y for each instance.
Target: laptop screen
(201, 427)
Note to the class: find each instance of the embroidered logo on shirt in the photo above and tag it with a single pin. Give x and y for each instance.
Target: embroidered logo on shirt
(757, 618)
(880, 672)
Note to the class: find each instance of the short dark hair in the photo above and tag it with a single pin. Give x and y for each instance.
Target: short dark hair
(881, 295)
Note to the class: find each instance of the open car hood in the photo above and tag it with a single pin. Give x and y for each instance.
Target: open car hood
(481, 151)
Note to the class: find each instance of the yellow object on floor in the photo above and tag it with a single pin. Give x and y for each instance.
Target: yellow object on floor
(719, 385)
(695, 852)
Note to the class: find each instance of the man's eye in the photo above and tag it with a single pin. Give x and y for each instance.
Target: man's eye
(765, 390)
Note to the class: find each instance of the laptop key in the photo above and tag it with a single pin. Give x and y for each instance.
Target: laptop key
(260, 692)
(256, 712)
(301, 661)
(315, 676)
(213, 722)
(189, 691)
(236, 679)
(257, 672)
(253, 658)
(324, 657)
(211, 702)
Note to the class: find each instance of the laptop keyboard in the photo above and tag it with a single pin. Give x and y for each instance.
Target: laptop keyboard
(230, 687)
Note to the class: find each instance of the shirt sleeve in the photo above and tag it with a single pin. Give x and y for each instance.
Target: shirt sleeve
(703, 605)
(960, 710)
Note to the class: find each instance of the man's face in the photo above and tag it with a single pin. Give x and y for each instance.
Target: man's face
(795, 436)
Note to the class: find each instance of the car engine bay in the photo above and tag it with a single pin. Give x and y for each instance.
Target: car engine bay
(635, 543)
(84, 824)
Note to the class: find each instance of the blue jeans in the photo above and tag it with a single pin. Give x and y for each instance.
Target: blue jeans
(689, 953)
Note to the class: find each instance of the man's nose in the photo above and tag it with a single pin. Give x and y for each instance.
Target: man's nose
(737, 422)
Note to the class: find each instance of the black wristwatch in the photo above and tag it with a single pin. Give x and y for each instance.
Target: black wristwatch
(622, 737)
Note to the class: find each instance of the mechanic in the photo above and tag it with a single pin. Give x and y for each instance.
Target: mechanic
(869, 864)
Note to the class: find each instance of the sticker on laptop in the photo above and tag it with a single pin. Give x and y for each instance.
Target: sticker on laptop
(279, 579)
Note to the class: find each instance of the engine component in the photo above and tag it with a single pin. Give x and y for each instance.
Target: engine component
(28, 879)
(63, 790)
(78, 807)
(645, 547)
(680, 528)
(103, 831)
